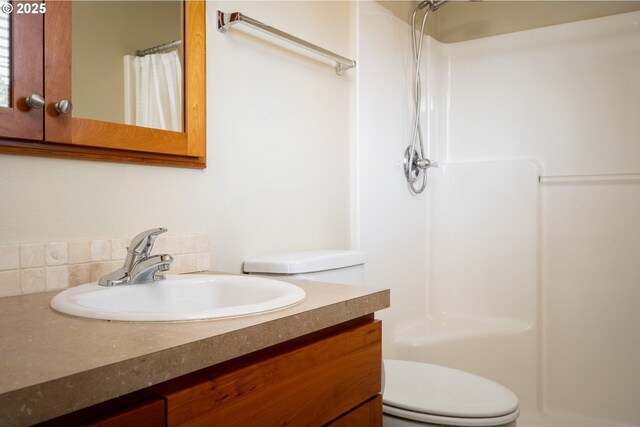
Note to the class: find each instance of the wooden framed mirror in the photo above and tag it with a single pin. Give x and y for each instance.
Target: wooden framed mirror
(72, 136)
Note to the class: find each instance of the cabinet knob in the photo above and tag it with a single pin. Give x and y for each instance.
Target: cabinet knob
(64, 106)
(35, 101)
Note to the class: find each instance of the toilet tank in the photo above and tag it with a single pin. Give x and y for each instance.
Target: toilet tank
(332, 266)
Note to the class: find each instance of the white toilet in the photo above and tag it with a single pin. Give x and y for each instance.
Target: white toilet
(415, 394)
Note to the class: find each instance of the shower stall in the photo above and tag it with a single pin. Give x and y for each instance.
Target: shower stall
(520, 260)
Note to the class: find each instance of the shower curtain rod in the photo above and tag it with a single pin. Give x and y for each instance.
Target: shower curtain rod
(226, 20)
(159, 48)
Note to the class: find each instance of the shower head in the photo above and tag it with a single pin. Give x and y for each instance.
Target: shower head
(435, 4)
(432, 4)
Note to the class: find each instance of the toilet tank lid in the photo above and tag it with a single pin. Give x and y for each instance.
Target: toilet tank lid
(304, 262)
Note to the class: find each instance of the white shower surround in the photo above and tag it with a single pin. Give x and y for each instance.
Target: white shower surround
(530, 284)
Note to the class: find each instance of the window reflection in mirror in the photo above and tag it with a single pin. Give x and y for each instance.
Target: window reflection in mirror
(5, 54)
(112, 79)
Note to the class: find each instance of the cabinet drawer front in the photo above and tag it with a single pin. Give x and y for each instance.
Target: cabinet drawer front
(305, 386)
(369, 414)
(150, 413)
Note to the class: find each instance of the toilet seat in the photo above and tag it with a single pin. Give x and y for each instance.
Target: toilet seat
(437, 394)
(450, 421)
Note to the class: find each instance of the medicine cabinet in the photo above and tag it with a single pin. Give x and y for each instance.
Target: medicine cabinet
(41, 67)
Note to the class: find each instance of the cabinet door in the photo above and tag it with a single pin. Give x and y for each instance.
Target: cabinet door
(21, 59)
(83, 132)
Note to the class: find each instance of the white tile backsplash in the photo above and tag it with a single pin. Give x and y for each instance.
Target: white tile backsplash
(32, 280)
(9, 257)
(31, 255)
(160, 246)
(119, 248)
(57, 277)
(203, 261)
(176, 265)
(188, 244)
(189, 262)
(9, 283)
(200, 244)
(172, 244)
(79, 251)
(79, 274)
(100, 250)
(56, 253)
(99, 269)
(28, 267)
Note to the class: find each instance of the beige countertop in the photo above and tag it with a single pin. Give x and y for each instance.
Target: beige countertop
(52, 364)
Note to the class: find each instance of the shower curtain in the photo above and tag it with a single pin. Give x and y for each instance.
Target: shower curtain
(153, 91)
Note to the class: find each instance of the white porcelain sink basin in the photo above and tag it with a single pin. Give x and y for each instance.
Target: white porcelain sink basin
(179, 298)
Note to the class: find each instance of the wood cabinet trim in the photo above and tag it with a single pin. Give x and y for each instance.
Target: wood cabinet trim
(57, 69)
(95, 133)
(195, 88)
(98, 154)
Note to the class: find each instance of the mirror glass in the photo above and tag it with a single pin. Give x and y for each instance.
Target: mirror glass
(5, 53)
(127, 62)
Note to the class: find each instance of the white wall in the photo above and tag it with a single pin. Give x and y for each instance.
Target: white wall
(279, 131)
(390, 223)
(569, 97)
(565, 95)
(590, 299)
(531, 284)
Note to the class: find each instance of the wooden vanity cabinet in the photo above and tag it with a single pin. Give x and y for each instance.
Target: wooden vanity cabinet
(311, 383)
(329, 378)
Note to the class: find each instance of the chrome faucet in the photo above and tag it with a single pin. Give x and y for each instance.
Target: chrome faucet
(140, 266)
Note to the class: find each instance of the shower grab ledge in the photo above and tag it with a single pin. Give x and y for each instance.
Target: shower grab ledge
(444, 328)
(227, 20)
(630, 178)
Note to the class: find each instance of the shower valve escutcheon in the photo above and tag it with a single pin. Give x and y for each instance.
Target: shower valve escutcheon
(414, 164)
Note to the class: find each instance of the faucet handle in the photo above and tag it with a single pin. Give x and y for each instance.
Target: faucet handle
(142, 244)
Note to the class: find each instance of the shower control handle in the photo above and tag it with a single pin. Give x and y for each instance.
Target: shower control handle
(64, 106)
(35, 101)
(425, 164)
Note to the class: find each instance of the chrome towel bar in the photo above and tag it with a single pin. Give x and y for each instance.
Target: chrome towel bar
(226, 20)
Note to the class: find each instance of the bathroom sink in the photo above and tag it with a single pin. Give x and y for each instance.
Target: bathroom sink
(179, 298)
